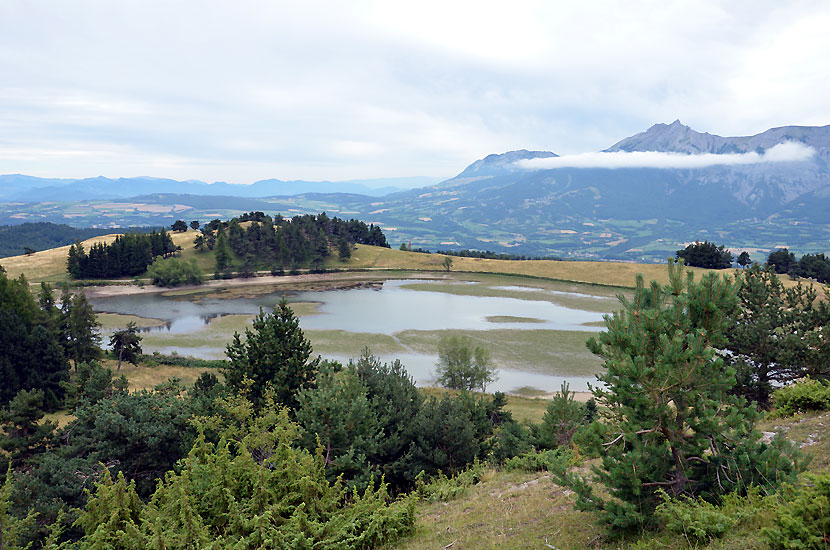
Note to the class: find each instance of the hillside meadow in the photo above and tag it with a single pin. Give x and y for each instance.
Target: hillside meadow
(50, 265)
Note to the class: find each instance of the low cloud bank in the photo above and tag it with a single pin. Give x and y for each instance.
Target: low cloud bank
(783, 152)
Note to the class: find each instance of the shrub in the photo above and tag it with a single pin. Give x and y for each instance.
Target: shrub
(548, 461)
(510, 439)
(442, 488)
(805, 395)
(251, 489)
(804, 522)
(174, 272)
(700, 521)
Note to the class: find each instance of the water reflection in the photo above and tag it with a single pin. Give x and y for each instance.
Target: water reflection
(184, 325)
(386, 310)
(394, 309)
(389, 309)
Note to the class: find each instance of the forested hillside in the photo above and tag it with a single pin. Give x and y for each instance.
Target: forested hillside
(280, 243)
(128, 255)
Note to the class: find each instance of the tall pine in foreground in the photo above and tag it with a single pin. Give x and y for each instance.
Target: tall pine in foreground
(670, 422)
(274, 354)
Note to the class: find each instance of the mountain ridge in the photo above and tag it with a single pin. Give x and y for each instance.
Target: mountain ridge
(19, 187)
(640, 214)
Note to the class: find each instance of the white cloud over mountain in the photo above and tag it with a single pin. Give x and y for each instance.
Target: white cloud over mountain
(783, 152)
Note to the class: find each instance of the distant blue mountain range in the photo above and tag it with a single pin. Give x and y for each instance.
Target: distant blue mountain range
(16, 187)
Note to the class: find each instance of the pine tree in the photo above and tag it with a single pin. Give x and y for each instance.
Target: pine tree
(84, 343)
(48, 368)
(223, 253)
(562, 417)
(126, 344)
(338, 415)
(670, 422)
(344, 249)
(22, 434)
(275, 354)
(46, 298)
(75, 260)
(395, 401)
(777, 335)
(31, 356)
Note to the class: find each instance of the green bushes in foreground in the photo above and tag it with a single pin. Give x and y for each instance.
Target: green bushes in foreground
(251, 489)
(804, 522)
(796, 517)
(550, 460)
(700, 521)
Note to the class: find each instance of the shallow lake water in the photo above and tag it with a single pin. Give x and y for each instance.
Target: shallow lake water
(394, 309)
(387, 310)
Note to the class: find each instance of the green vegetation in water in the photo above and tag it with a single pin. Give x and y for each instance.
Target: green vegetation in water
(511, 319)
(570, 295)
(304, 309)
(214, 335)
(111, 321)
(558, 352)
(527, 391)
(341, 342)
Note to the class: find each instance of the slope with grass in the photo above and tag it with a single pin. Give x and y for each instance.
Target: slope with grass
(515, 510)
(50, 265)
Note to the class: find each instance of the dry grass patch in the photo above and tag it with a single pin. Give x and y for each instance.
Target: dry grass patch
(809, 431)
(50, 265)
(602, 273)
(506, 510)
(47, 265)
(61, 418)
(144, 377)
(527, 409)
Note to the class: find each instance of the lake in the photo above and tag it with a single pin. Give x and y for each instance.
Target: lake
(536, 334)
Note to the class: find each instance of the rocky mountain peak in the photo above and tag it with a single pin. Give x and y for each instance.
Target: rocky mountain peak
(675, 137)
(501, 163)
(679, 138)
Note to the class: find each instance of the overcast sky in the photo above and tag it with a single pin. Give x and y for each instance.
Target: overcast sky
(247, 90)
